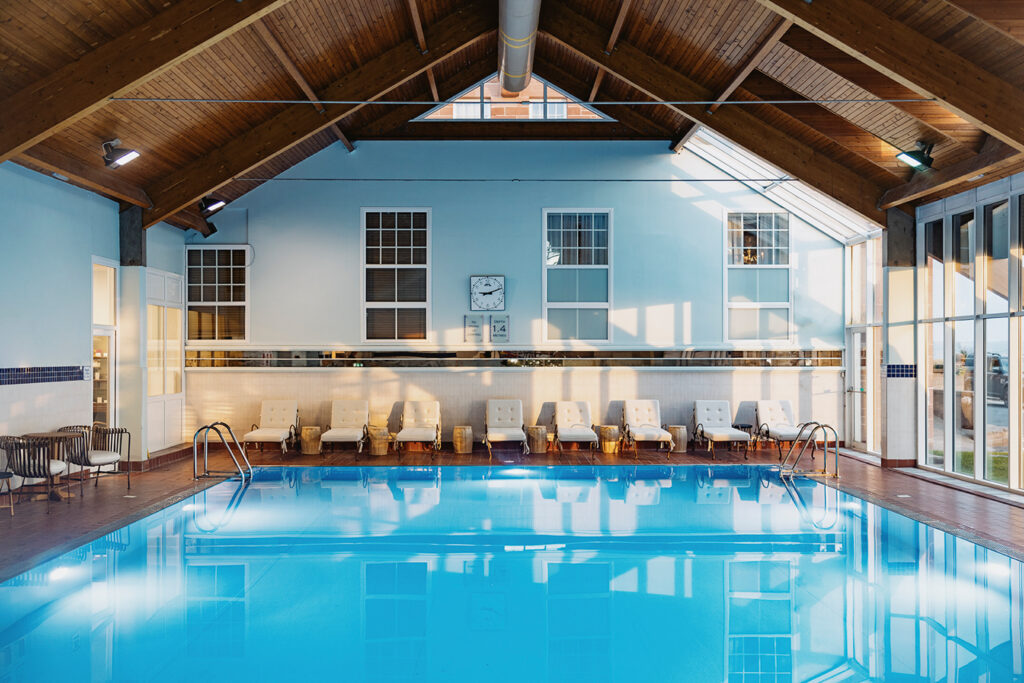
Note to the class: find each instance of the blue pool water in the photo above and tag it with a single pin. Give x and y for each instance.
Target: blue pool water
(518, 574)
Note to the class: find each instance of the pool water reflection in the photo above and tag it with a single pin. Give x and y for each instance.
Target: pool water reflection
(688, 573)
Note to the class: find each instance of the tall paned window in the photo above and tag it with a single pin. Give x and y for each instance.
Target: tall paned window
(963, 264)
(396, 262)
(934, 273)
(217, 285)
(577, 271)
(758, 277)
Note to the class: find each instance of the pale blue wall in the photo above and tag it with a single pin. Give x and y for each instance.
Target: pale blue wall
(49, 232)
(165, 248)
(667, 246)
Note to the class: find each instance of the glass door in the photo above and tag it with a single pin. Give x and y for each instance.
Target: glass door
(857, 409)
(103, 377)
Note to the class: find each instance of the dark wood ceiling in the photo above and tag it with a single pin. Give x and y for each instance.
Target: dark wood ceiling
(419, 50)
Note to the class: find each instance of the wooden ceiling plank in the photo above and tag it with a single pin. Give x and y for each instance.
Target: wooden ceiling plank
(97, 178)
(80, 88)
(869, 34)
(661, 82)
(752, 61)
(298, 122)
(282, 56)
(994, 156)
(1006, 16)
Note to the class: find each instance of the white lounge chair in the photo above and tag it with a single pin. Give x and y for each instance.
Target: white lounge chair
(573, 423)
(348, 423)
(421, 423)
(641, 421)
(505, 423)
(279, 420)
(713, 423)
(775, 422)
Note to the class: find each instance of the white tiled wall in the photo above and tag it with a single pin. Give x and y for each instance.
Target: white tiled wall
(234, 395)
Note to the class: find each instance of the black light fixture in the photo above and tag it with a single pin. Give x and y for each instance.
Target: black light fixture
(918, 159)
(211, 205)
(115, 156)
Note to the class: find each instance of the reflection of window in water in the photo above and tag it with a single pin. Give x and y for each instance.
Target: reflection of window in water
(215, 620)
(579, 621)
(759, 612)
(395, 619)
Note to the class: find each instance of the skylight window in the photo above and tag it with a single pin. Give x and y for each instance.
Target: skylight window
(541, 101)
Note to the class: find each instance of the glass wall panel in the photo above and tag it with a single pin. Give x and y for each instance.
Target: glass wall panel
(963, 256)
(934, 383)
(997, 257)
(104, 295)
(934, 261)
(963, 397)
(173, 357)
(858, 283)
(997, 404)
(155, 350)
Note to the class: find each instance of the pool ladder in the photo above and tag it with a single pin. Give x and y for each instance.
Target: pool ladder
(205, 431)
(806, 437)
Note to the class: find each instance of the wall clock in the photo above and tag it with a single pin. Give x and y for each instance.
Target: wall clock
(487, 292)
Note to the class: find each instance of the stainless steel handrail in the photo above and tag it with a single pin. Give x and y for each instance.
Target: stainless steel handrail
(205, 430)
(790, 469)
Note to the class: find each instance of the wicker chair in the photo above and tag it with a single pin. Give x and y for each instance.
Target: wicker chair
(33, 458)
(102, 446)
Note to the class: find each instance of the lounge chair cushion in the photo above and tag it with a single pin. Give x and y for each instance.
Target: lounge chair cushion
(57, 467)
(495, 434)
(649, 433)
(101, 458)
(349, 414)
(784, 432)
(576, 434)
(273, 435)
(572, 414)
(343, 434)
(712, 414)
(725, 434)
(428, 434)
(421, 414)
(279, 414)
(504, 413)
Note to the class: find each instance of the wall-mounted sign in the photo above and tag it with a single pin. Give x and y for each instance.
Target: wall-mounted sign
(499, 329)
(474, 329)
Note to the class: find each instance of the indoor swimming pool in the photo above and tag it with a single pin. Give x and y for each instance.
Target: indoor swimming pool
(644, 573)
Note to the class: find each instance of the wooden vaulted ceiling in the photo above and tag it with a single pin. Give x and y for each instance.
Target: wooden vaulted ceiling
(961, 61)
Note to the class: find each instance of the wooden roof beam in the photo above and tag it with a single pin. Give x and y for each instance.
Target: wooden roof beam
(293, 70)
(116, 67)
(994, 156)
(941, 122)
(752, 61)
(96, 177)
(683, 136)
(661, 82)
(191, 220)
(421, 39)
(620, 20)
(869, 34)
(300, 121)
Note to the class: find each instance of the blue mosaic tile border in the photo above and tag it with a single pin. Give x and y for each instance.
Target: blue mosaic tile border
(898, 370)
(38, 375)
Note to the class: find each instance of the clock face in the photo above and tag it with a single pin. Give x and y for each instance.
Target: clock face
(487, 292)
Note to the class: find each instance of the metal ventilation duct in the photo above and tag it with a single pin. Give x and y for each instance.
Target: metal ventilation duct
(517, 37)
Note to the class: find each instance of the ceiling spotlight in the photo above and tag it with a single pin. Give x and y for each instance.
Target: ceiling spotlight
(115, 156)
(918, 159)
(211, 205)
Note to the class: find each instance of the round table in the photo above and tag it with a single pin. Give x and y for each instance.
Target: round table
(462, 439)
(537, 438)
(379, 438)
(609, 438)
(679, 437)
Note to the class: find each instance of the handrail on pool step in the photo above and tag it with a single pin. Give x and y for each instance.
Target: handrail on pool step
(787, 469)
(205, 430)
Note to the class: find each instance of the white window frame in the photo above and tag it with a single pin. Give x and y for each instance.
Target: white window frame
(219, 343)
(429, 333)
(727, 306)
(544, 279)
